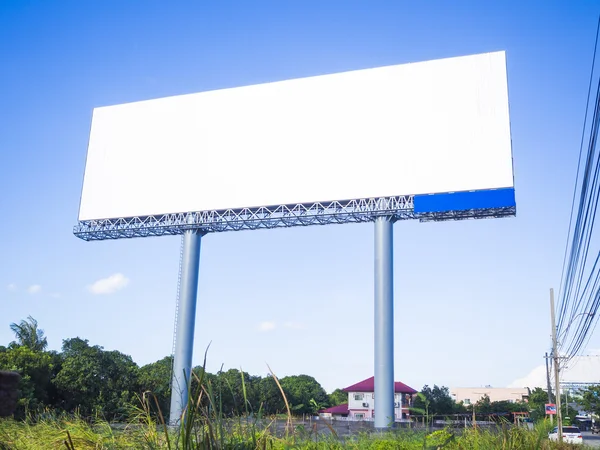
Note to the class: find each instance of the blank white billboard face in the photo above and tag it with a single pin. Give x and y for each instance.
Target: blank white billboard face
(430, 127)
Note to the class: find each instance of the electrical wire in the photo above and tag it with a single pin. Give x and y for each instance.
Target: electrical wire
(579, 295)
(587, 104)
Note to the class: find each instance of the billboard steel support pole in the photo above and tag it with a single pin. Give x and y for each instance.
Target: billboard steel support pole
(384, 322)
(186, 318)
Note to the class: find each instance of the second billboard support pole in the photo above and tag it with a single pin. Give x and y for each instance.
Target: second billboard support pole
(384, 323)
(186, 319)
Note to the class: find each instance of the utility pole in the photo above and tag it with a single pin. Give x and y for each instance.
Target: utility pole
(556, 368)
(549, 387)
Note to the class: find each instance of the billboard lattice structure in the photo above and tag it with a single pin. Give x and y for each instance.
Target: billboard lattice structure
(283, 216)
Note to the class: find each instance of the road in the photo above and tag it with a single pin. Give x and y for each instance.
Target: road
(591, 440)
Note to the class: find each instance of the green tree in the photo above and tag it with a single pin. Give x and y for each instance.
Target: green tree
(338, 397)
(568, 411)
(505, 406)
(483, 405)
(270, 398)
(537, 401)
(36, 369)
(29, 335)
(96, 381)
(156, 378)
(539, 397)
(235, 392)
(459, 408)
(300, 390)
(436, 400)
(590, 399)
(421, 406)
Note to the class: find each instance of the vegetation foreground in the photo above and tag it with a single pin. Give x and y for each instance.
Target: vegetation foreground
(223, 412)
(72, 432)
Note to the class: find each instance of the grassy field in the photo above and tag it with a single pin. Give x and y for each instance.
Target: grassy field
(206, 427)
(72, 432)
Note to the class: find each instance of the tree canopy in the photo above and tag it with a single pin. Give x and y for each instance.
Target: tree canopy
(36, 369)
(29, 335)
(437, 401)
(338, 397)
(590, 399)
(304, 393)
(156, 378)
(95, 381)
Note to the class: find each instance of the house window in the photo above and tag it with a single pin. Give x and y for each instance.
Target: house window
(467, 401)
(358, 396)
(359, 416)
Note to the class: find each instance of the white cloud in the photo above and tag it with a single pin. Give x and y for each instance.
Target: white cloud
(34, 289)
(266, 326)
(294, 325)
(535, 378)
(581, 369)
(12, 287)
(109, 285)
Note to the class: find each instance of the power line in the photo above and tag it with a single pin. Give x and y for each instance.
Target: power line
(587, 104)
(580, 284)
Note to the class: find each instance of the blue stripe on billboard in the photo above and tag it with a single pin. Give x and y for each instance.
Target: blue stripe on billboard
(461, 201)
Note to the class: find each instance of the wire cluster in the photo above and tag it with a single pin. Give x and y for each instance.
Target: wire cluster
(579, 296)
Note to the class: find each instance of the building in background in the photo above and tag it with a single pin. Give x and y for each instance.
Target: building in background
(361, 402)
(470, 396)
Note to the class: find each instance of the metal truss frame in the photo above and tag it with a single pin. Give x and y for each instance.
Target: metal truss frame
(489, 213)
(573, 386)
(282, 216)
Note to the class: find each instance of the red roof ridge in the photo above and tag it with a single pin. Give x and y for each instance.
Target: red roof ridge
(338, 409)
(368, 385)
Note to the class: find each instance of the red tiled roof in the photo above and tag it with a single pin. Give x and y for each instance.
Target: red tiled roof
(339, 409)
(368, 385)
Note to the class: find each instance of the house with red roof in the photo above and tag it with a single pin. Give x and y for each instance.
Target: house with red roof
(361, 402)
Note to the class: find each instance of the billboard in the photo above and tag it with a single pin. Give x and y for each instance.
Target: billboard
(550, 408)
(436, 127)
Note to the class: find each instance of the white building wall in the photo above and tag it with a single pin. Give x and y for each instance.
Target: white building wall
(473, 395)
(357, 401)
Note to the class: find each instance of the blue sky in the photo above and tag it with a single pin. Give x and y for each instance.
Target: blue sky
(471, 297)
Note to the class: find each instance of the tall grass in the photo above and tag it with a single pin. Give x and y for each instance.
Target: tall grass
(144, 432)
(66, 432)
(204, 426)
